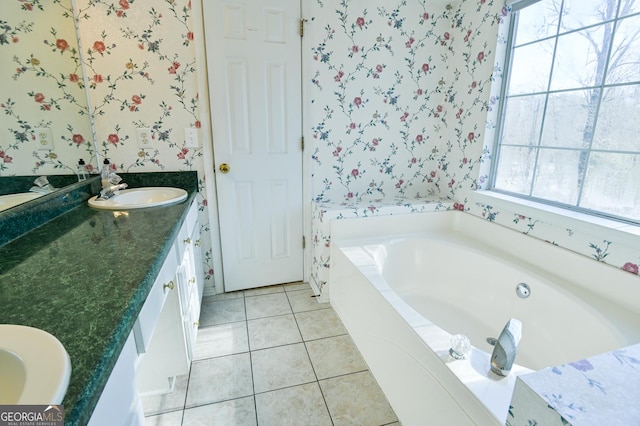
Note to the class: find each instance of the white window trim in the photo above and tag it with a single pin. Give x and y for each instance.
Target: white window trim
(574, 219)
(520, 4)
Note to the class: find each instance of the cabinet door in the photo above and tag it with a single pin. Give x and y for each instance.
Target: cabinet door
(192, 322)
(119, 403)
(166, 355)
(191, 277)
(189, 293)
(196, 254)
(147, 320)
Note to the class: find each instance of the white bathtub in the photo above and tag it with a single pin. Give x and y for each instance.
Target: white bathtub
(403, 291)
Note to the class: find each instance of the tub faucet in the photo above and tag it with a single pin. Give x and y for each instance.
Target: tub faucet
(504, 351)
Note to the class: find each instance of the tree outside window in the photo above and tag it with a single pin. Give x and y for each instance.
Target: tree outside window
(570, 124)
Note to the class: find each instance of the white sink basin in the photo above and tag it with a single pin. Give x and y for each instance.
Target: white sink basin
(138, 198)
(10, 200)
(34, 366)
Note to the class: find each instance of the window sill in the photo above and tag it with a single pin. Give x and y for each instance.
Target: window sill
(558, 216)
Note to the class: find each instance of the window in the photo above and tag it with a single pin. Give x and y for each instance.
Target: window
(570, 112)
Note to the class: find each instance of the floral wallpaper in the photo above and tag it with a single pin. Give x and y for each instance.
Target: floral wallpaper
(43, 87)
(402, 102)
(139, 72)
(404, 105)
(140, 68)
(598, 390)
(401, 92)
(398, 107)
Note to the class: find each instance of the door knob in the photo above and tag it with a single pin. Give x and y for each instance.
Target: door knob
(224, 168)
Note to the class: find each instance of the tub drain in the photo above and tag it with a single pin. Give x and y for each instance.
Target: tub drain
(523, 291)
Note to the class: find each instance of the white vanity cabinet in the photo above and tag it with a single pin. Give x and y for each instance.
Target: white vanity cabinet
(160, 346)
(149, 317)
(119, 403)
(165, 356)
(170, 350)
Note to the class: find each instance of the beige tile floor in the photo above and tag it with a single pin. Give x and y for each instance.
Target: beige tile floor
(272, 356)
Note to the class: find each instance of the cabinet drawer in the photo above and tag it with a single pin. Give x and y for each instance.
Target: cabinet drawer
(148, 318)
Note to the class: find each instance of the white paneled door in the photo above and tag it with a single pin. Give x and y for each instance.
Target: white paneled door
(254, 66)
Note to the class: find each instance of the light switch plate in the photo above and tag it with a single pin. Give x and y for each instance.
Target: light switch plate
(43, 138)
(144, 137)
(191, 137)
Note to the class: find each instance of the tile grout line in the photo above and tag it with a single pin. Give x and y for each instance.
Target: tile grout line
(324, 400)
(250, 350)
(186, 392)
(253, 381)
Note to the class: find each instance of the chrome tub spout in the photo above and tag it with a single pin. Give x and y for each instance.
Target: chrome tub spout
(506, 347)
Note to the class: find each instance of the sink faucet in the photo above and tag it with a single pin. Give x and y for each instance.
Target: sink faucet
(41, 185)
(110, 185)
(110, 191)
(504, 351)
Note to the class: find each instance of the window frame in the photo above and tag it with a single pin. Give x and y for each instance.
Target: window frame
(517, 6)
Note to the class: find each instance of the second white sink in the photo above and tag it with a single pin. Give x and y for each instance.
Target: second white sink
(138, 198)
(34, 366)
(11, 200)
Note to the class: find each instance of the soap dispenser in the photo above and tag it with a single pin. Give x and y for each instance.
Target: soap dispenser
(82, 170)
(104, 174)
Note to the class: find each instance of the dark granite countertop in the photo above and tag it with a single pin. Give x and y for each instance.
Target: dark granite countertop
(84, 277)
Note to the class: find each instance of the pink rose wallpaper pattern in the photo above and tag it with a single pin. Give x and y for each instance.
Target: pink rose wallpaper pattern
(401, 101)
(43, 87)
(404, 106)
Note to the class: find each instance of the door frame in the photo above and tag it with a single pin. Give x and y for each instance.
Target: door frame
(307, 231)
(206, 139)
